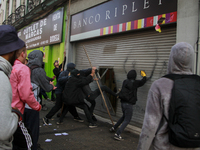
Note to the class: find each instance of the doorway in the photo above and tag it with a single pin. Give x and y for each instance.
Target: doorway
(107, 77)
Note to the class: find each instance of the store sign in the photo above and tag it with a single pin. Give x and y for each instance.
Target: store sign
(43, 32)
(90, 22)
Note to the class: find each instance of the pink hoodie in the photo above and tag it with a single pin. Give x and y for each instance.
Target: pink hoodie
(21, 88)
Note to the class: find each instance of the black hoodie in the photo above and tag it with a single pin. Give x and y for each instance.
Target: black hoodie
(129, 88)
(63, 78)
(73, 93)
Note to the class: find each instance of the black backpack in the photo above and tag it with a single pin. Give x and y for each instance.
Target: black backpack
(184, 111)
(128, 95)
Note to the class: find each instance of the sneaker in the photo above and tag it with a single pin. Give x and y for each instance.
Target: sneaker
(92, 125)
(112, 129)
(45, 121)
(78, 119)
(94, 118)
(118, 137)
(59, 122)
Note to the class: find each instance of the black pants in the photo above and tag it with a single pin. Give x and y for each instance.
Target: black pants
(92, 96)
(86, 110)
(71, 109)
(57, 107)
(31, 119)
(52, 95)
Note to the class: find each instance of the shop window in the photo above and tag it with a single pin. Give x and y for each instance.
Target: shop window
(107, 77)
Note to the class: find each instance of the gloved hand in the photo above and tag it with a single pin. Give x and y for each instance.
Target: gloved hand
(143, 74)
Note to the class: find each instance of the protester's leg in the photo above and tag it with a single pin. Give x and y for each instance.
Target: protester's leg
(32, 122)
(56, 107)
(64, 112)
(52, 95)
(128, 112)
(86, 111)
(93, 104)
(121, 119)
(73, 111)
(97, 92)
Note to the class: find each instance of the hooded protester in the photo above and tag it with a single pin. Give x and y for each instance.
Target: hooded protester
(9, 44)
(155, 127)
(74, 95)
(38, 80)
(128, 96)
(62, 79)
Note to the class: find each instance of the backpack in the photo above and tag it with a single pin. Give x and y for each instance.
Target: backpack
(184, 111)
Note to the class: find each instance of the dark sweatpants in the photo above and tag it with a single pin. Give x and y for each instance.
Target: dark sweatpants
(85, 108)
(57, 107)
(31, 119)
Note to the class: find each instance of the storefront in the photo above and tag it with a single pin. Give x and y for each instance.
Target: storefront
(48, 36)
(120, 36)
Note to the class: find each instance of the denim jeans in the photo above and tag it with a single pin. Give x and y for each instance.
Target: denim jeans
(127, 110)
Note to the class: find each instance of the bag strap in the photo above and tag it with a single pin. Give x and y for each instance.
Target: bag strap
(2, 70)
(180, 76)
(18, 113)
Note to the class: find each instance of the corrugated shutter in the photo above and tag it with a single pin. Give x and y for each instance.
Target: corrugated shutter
(142, 50)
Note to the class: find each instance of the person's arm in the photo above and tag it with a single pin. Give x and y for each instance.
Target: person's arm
(25, 89)
(8, 120)
(63, 77)
(63, 63)
(142, 81)
(153, 115)
(85, 72)
(42, 80)
(86, 80)
(50, 79)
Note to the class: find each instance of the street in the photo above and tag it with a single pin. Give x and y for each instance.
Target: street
(80, 136)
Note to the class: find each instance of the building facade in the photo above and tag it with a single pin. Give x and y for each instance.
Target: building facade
(117, 35)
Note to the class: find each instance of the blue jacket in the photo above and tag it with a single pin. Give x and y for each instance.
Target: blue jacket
(63, 78)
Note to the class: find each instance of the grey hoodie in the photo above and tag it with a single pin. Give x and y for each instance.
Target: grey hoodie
(154, 130)
(8, 120)
(38, 75)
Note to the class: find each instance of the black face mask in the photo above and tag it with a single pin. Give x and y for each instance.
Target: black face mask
(75, 73)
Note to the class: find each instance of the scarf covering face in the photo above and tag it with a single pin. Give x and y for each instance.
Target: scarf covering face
(181, 59)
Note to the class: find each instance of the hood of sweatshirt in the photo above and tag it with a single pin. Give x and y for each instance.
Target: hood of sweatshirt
(132, 75)
(181, 59)
(35, 58)
(70, 66)
(5, 66)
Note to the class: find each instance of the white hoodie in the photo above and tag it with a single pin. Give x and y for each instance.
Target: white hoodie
(8, 120)
(154, 130)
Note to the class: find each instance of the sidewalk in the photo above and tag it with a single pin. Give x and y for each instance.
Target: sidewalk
(80, 136)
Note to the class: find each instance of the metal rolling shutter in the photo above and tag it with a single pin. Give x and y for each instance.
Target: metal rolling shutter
(142, 50)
